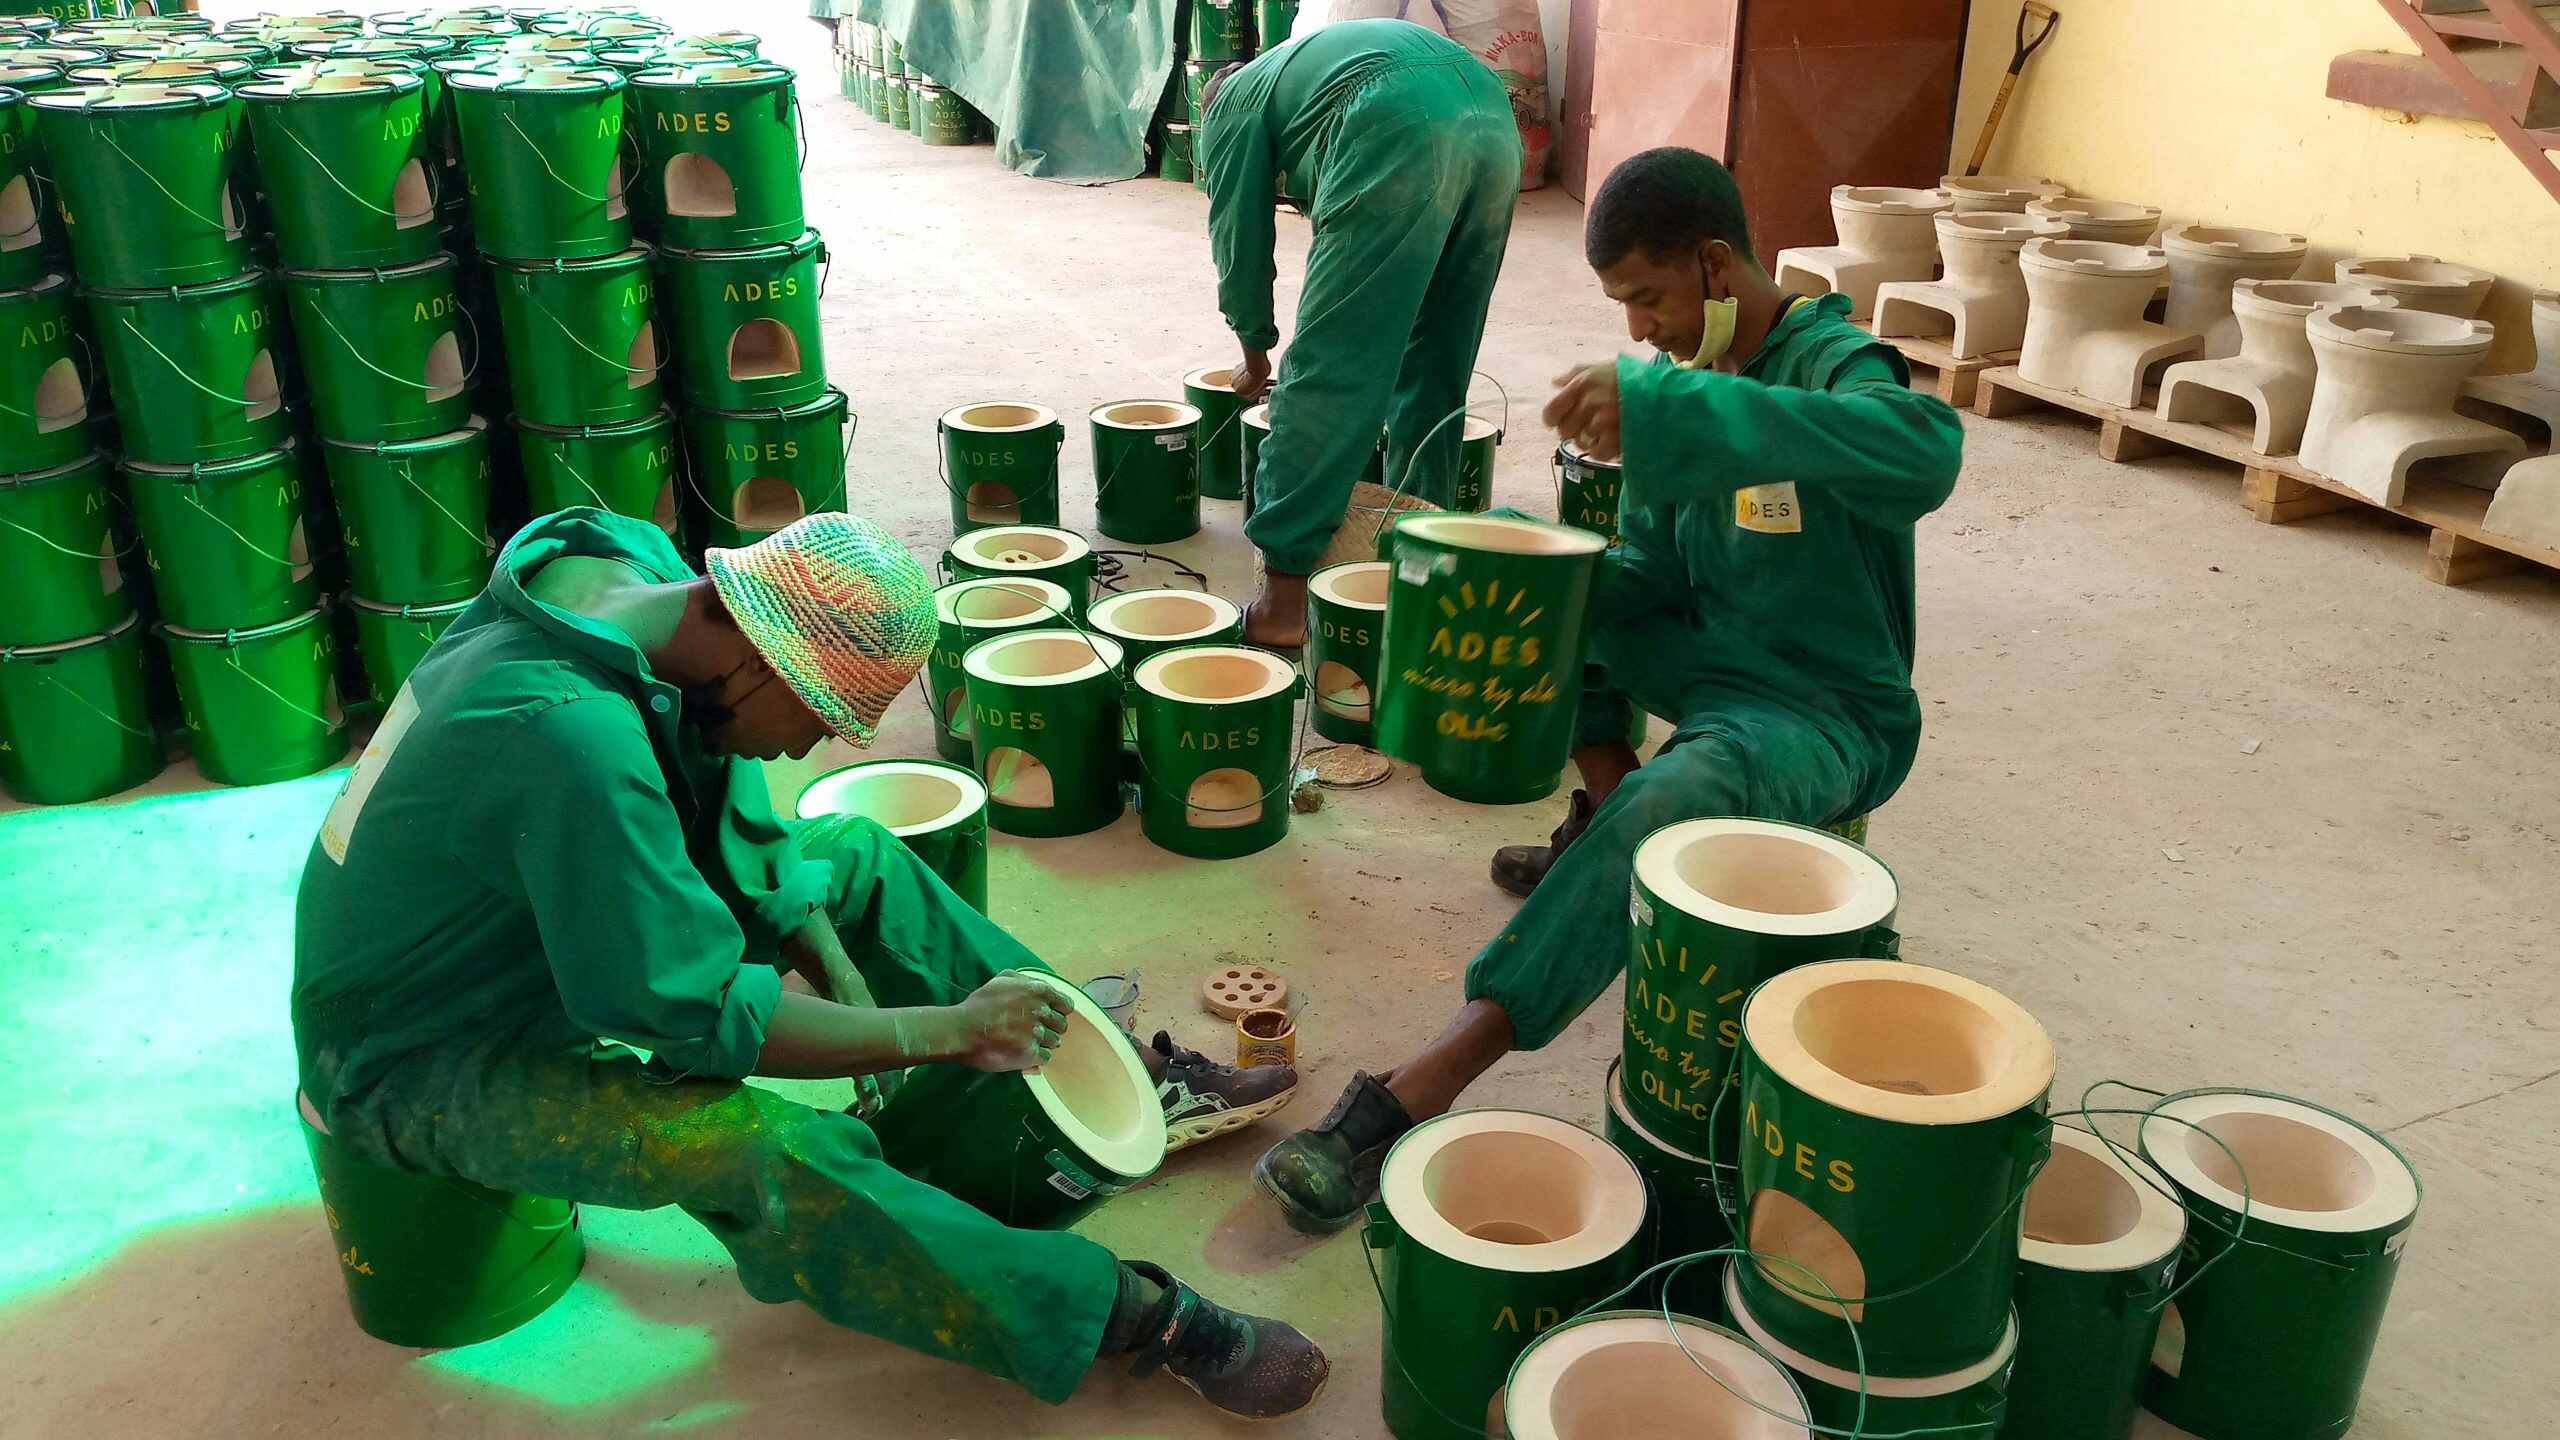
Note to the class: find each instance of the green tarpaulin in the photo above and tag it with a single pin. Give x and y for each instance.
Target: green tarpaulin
(1071, 84)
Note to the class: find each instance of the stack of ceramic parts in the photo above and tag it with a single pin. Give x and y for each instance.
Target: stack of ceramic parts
(1980, 303)
(2206, 261)
(2118, 222)
(2533, 393)
(2085, 331)
(188, 326)
(1974, 194)
(75, 711)
(387, 348)
(1884, 234)
(2263, 392)
(2382, 401)
(1892, 1119)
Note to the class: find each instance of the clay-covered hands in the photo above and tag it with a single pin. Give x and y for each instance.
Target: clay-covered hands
(1013, 1022)
(1585, 408)
(1252, 380)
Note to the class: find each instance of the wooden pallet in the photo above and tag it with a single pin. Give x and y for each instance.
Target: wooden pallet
(2276, 488)
(1955, 382)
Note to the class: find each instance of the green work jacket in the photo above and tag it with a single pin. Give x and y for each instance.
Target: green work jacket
(535, 843)
(1776, 507)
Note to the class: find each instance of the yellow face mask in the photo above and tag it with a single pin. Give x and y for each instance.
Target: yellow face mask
(1717, 337)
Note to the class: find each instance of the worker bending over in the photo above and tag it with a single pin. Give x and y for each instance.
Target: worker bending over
(1761, 600)
(557, 853)
(1400, 146)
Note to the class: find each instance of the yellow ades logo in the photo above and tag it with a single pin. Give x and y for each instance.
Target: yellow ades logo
(1769, 509)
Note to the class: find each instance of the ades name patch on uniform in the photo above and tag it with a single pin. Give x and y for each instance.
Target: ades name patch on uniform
(1769, 509)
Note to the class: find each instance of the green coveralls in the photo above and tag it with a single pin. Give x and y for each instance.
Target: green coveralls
(534, 858)
(1405, 143)
(1761, 599)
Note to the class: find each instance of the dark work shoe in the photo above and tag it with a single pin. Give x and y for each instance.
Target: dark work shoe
(1203, 1098)
(1321, 1176)
(1245, 1365)
(1519, 868)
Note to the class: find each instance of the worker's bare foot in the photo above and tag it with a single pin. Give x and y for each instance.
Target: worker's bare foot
(1265, 628)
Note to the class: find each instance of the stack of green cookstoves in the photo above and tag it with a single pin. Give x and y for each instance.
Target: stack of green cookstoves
(878, 74)
(1210, 36)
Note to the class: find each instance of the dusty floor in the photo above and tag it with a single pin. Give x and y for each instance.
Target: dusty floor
(2357, 911)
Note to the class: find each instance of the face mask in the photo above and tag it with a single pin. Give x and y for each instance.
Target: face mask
(1717, 337)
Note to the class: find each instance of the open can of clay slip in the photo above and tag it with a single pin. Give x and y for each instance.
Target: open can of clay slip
(1266, 1037)
(1118, 997)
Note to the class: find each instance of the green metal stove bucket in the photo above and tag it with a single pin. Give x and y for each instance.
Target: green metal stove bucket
(1146, 466)
(28, 238)
(75, 718)
(746, 324)
(1026, 551)
(543, 148)
(1486, 622)
(228, 541)
(201, 369)
(415, 515)
(1493, 1226)
(1718, 906)
(1346, 623)
(720, 153)
(436, 1262)
(629, 469)
(150, 179)
(1625, 1374)
(1687, 1213)
(345, 158)
(1216, 748)
(45, 378)
(2272, 1340)
(1209, 391)
(1000, 463)
(1970, 1403)
(1586, 491)
(757, 471)
(966, 612)
(1035, 1147)
(1044, 716)
(2102, 1238)
(581, 338)
(1892, 1118)
(937, 810)
(392, 639)
(59, 574)
(386, 350)
(260, 705)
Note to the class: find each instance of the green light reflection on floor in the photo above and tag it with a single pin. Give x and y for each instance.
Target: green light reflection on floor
(589, 1350)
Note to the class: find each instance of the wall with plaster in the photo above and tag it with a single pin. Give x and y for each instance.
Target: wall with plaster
(2215, 110)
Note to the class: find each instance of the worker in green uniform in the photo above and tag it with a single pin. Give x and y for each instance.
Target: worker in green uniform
(1761, 600)
(1400, 146)
(539, 937)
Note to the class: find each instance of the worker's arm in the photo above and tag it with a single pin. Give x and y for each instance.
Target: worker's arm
(1012, 1022)
(1886, 452)
(1243, 190)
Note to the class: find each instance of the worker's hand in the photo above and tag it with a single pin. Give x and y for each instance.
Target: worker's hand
(1585, 409)
(1252, 380)
(1013, 1022)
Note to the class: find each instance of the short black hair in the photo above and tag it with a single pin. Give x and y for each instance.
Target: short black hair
(1664, 202)
(1217, 82)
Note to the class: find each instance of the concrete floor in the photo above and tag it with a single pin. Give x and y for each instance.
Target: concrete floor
(2356, 912)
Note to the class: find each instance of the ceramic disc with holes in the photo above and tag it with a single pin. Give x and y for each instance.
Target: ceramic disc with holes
(1231, 990)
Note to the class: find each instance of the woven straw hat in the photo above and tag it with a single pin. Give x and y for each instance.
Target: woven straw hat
(838, 608)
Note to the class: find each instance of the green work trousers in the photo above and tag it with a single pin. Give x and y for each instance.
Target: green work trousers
(1729, 754)
(799, 1196)
(1413, 211)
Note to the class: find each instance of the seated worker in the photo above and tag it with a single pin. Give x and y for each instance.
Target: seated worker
(556, 852)
(1761, 600)
(1403, 145)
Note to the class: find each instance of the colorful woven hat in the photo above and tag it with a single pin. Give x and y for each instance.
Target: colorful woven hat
(838, 608)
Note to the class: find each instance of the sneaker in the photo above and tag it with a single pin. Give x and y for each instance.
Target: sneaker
(1519, 868)
(1203, 1098)
(1246, 1365)
(1322, 1176)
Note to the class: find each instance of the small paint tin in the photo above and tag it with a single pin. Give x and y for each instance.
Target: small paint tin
(1266, 1037)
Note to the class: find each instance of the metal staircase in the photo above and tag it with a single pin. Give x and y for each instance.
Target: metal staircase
(2500, 60)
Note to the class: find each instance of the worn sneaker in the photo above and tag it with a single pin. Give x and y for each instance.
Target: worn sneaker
(1203, 1098)
(1519, 868)
(1244, 1364)
(1322, 1176)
